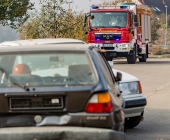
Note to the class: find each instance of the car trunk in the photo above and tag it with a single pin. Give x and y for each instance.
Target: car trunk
(43, 102)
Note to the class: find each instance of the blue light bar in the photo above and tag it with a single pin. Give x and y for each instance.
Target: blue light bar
(95, 7)
(117, 39)
(98, 39)
(124, 7)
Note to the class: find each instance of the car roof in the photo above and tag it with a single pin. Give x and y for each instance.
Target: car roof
(41, 41)
(46, 47)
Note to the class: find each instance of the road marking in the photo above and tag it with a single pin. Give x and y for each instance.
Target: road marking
(159, 89)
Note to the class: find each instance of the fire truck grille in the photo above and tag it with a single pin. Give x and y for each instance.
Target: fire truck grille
(108, 48)
(108, 36)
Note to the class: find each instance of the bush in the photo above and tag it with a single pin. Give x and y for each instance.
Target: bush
(158, 51)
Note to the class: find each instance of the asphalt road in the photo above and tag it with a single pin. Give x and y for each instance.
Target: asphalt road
(155, 79)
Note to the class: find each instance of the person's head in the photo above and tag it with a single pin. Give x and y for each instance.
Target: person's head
(21, 69)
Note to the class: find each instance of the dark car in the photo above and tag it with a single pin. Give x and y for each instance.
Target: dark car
(71, 87)
(134, 101)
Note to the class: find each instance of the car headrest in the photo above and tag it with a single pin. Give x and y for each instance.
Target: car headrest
(21, 69)
(80, 71)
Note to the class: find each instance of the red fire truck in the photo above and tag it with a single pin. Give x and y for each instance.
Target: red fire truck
(122, 30)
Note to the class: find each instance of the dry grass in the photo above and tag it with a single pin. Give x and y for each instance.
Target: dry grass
(158, 50)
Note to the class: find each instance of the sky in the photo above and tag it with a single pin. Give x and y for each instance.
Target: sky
(77, 5)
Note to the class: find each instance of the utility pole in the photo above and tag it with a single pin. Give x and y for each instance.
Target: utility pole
(69, 2)
(166, 30)
(90, 2)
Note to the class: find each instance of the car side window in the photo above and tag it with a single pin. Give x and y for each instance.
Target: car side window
(108, 67)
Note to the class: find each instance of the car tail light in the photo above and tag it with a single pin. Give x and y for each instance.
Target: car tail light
(140, 87)
(100, 103)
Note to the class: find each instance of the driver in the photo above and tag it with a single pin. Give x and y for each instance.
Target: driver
(113, 21)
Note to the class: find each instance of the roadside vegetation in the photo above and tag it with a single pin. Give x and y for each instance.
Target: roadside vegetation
(53, 21)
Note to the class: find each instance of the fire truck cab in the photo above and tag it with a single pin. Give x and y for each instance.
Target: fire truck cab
(123, 30)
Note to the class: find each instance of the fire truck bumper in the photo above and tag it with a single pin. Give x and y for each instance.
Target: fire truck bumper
(115, 54)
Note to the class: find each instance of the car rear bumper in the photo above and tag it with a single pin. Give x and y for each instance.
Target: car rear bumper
(134, 105)
(59, 133)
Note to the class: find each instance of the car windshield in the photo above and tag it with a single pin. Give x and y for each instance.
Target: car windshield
(108, 19)
(36, 69)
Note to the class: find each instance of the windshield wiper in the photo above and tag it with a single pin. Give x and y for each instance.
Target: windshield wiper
(116, 26)
(99, 27)
(13, 81)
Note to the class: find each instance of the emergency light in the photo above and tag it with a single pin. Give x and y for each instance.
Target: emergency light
(94, 7)
(124, 7)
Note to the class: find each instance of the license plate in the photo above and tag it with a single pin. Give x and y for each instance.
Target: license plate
(107, 45)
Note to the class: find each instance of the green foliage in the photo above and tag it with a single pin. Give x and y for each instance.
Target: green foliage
(14, 12)
(53, 22)
(155, 25)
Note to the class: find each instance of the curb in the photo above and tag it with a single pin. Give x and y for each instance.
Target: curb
(160, 56)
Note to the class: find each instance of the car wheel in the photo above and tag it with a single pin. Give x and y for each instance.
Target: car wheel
(133, 121)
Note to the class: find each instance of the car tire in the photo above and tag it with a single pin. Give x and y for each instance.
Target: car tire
(133, 121)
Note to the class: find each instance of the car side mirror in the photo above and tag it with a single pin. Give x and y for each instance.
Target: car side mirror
(118, 76)
(135, 18)
(84, 24)
(85, 20)
(130, 29)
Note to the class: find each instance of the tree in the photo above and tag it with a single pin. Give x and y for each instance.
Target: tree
(53, 21)
(155, 25)
(14, 12)
(113, 2)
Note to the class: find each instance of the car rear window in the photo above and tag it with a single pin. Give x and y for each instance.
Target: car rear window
(57, 68)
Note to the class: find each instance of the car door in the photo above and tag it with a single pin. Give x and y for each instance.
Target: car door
(108, 73)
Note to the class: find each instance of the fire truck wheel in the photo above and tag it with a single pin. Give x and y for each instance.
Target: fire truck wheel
(109, 58)
(143, 58)
(131, 58)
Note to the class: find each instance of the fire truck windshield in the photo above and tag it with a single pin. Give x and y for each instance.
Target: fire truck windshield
(108, 19)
